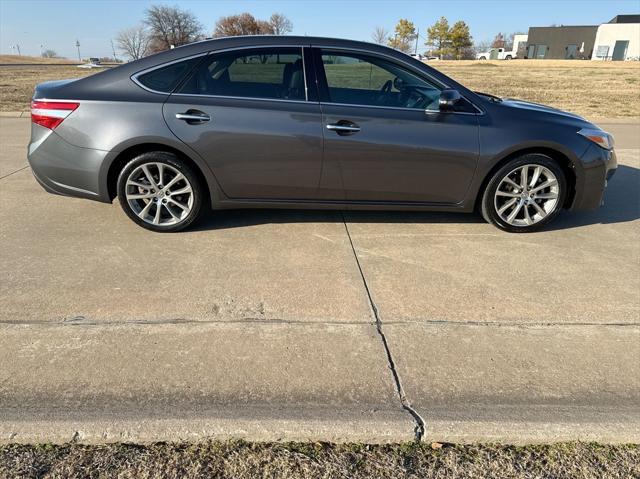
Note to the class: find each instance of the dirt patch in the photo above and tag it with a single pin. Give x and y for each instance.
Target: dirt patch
(240, 460)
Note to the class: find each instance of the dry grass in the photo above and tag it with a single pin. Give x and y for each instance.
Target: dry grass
(592, 89)
(17, 60)
(242, 460)
(17, 83)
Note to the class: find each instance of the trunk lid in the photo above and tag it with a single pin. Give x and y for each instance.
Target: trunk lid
(48, 90)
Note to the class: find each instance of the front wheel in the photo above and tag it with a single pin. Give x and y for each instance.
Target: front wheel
(525, 194)
(160, 192)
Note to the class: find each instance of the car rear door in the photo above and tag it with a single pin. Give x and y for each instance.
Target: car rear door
(387, 147)
(248, 114)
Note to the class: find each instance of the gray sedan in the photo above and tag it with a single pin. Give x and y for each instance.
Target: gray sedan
(302, 122)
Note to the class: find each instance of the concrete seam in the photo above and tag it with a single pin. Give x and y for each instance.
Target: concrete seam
(80, 321)
(14, 172)
(406, 405)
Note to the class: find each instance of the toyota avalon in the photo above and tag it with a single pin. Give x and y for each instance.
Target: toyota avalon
(303, 122)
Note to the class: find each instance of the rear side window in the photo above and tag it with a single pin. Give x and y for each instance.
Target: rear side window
(166, 79)
(272, 73)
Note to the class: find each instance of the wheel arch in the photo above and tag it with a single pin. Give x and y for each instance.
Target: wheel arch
(559, 157)
(121, 158)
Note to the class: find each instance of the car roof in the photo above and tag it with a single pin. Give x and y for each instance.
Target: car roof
(213, 44)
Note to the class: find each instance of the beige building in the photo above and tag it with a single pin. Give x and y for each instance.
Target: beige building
(619, 39)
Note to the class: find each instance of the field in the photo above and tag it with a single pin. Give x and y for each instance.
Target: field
(593, 89)
(17, 83)
(18, 60)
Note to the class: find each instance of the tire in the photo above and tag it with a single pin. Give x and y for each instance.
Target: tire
(482, 58)
(179, 201)
(537, 204)
(508, 57)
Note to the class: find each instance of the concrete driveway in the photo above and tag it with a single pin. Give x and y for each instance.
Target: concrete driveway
(316, 325)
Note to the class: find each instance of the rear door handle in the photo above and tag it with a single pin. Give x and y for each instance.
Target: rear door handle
(343, 128)
(193, 117)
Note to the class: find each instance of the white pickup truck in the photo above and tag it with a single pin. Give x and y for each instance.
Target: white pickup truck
(497, 54)
(503, 54)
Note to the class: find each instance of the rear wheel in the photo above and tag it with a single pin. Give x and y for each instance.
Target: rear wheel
(160, 192)
(525, 194)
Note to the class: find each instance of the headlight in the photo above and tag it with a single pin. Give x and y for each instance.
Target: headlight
(599, 137)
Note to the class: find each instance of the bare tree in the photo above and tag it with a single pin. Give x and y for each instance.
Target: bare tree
(243, 24)
(380, 35)
(171, 27)
(499, 41)
(281, 24)
(49, 54)
(134, 42)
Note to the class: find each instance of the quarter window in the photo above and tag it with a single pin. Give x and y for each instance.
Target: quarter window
(275, 73)
(166, 79)
(361, 79)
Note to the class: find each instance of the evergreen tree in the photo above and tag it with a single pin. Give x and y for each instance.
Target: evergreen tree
(405, 34)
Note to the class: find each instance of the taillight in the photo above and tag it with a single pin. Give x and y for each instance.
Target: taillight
(51, 113)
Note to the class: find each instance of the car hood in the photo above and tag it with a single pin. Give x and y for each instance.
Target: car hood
(526, 105)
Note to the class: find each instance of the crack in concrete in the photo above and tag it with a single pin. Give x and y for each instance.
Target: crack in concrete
(406, 405)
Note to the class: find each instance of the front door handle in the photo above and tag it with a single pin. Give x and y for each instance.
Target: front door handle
(344, 128)
(193, 117)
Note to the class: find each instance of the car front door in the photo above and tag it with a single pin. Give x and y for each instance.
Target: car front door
(385, 134)
(247, 113)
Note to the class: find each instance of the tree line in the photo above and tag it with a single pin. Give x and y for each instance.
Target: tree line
(442, 39)
(165, 27)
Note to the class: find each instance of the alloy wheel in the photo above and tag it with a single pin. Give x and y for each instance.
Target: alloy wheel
(159, 194)
(527, 195)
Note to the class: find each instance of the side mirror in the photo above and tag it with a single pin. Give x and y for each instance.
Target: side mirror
(448, 99)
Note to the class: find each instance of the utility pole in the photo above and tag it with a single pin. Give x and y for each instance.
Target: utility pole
(417, 39)
(78, 47)
(114, 52)
(18, 48)
(41, 49)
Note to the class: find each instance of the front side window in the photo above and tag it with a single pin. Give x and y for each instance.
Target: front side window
(272, 73)
(361, 79)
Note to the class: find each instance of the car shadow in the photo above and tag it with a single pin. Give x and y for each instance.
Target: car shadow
(622, 204)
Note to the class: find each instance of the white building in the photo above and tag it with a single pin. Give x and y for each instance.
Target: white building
(619, 39)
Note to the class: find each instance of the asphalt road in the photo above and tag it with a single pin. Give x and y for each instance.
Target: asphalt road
(316, 325)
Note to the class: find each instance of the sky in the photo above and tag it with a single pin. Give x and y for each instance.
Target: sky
(57, 24)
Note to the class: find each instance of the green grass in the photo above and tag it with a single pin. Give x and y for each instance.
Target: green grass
(243, 460)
